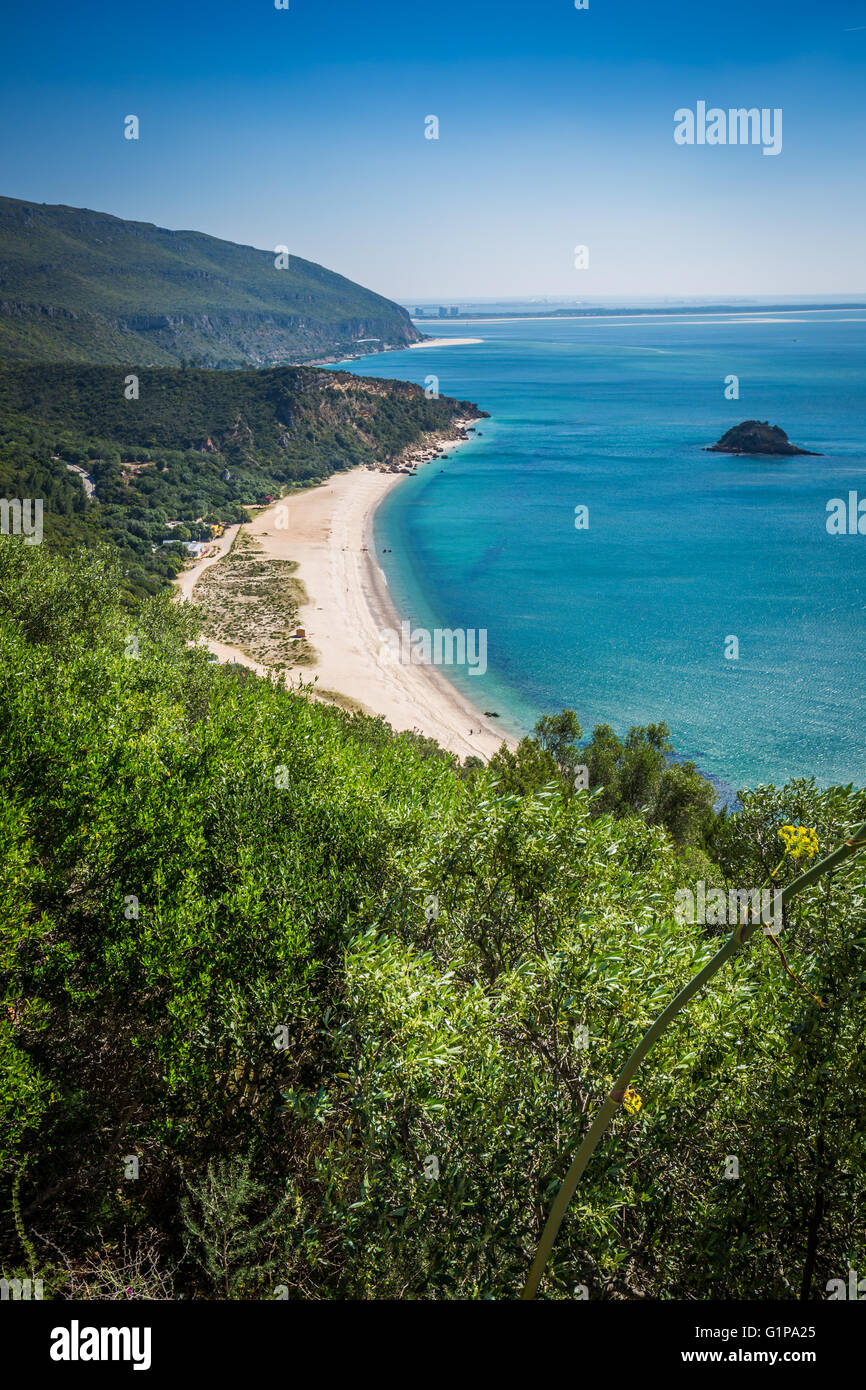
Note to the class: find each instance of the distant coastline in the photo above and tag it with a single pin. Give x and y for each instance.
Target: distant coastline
(425, 342)
(600, 311)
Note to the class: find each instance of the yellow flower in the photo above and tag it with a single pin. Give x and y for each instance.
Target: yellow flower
(632, 1101)
(800, 841)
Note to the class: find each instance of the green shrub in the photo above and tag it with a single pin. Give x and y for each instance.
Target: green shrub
(286, 959)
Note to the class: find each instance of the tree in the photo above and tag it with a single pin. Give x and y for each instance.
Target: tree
(524, 770)
(559, 734)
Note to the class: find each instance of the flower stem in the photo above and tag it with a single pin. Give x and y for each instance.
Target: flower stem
(738, 938)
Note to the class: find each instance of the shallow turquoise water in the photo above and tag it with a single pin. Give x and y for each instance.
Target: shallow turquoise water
(626, 622)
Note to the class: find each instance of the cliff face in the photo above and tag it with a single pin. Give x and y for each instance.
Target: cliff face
(756, 437)
(77, 285)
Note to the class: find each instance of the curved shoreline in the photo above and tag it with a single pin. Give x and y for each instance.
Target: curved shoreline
(328, 532)
(448, 699)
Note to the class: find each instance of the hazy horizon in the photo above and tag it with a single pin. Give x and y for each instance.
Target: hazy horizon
(536, 297)
(306, 127)
(540, 299)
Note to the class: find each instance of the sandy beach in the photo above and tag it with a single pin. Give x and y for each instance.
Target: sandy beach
(327, 532)
(445, 342)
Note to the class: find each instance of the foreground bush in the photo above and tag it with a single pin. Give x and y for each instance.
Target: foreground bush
(292, 1006)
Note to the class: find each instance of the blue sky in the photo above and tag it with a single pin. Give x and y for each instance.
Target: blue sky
(306, 128)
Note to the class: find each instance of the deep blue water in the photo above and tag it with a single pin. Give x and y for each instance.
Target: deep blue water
(626, 622)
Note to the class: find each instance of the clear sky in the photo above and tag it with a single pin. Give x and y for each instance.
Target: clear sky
(305, 127)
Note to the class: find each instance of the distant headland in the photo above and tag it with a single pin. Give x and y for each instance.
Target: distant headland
(757, 437)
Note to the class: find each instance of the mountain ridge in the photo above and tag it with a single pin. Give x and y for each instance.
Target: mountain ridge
(79, 285)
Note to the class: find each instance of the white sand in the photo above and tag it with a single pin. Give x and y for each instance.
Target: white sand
(327, 530)
(445, 342)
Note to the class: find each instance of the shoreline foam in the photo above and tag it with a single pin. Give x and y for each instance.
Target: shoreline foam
(443, 342)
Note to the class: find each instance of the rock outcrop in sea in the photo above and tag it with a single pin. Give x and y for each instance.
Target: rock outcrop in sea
(756, 437)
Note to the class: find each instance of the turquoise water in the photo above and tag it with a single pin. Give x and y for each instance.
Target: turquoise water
(626, 621)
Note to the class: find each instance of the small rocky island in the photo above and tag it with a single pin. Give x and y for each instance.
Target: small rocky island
(756, 437)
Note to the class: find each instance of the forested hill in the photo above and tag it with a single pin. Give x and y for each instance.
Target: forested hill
(195, 446)
(77, 285)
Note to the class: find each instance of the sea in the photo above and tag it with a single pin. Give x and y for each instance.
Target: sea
(620, 570)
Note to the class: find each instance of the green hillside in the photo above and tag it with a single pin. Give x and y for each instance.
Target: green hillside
(220, 960)
(164, 456)
(77, 285)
